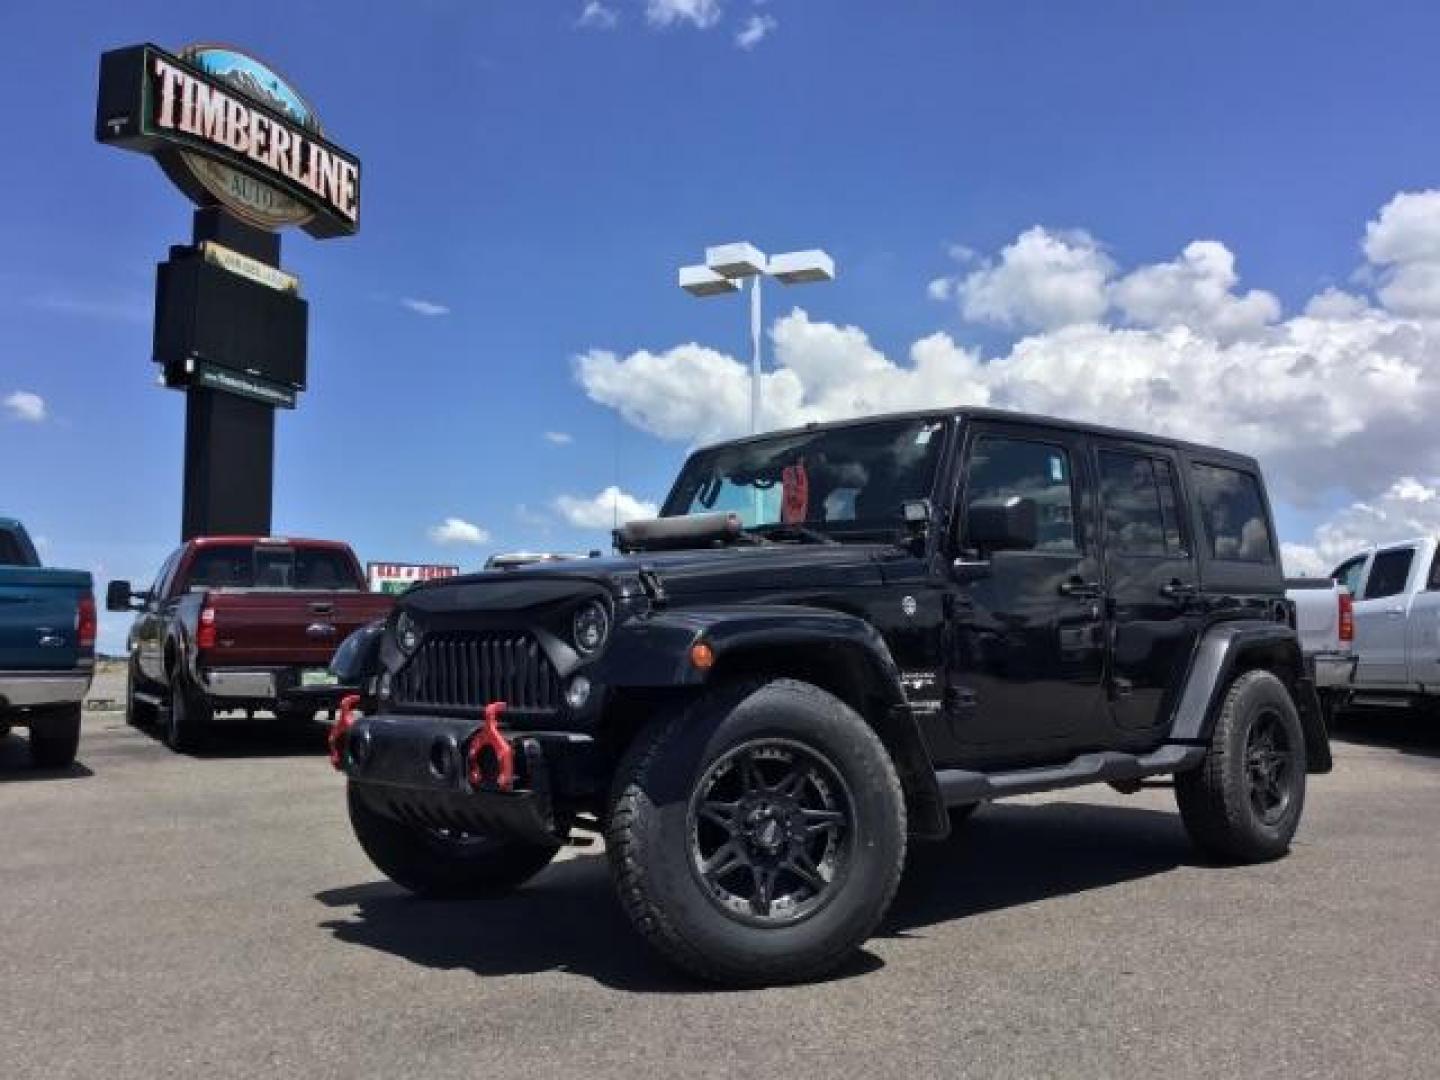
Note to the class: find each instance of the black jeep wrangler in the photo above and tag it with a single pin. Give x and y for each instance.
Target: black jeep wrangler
(834, 639)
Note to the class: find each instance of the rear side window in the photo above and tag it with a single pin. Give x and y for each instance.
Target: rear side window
(1348, 574)
(1001, 467)
(1234, 514)
(1138, 493)
(1389, 574)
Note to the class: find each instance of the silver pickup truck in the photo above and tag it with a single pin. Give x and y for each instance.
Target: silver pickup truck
(1325, 623)
(1397, 625)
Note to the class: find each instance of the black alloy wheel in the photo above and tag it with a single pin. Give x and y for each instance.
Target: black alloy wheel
(1270, 764)
(771, 829)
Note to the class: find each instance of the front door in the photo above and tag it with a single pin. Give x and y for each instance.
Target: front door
(1152, 579)
(1025, 656)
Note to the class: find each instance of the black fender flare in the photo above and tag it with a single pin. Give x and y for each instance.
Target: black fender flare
(842, 653)
(1226, 650)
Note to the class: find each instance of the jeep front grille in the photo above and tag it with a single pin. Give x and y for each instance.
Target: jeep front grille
(470, 670)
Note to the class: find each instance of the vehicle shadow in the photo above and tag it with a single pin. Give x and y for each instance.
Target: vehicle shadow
(1409, 731)
(15, 764)
(567, 919)
(230, 737)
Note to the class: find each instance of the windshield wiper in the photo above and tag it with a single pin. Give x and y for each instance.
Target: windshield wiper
(795, 531)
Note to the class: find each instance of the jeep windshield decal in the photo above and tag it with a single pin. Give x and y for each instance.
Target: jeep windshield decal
(828, 483)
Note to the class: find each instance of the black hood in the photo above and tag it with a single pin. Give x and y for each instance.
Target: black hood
(762, 568)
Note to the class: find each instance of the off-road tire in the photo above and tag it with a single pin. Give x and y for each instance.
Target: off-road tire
(1215, 800)
(138, 714)
(188, 721)
(55, 738)
(442, 868)
(648, 834)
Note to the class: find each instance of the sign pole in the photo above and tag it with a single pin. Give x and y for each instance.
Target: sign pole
(229, 439)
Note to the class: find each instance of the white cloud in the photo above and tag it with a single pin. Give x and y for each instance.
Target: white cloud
(597, 16)
(756, 29)
(609, 509)
(699, 13)
(455, 532)
(1407, 509)
(1404, 243)
(1340, 399)
(1195, 291)
(424, 307)
(26, 406)
(1041, 281)
(559, 438)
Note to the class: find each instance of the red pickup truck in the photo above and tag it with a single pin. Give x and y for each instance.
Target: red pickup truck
(241, 623)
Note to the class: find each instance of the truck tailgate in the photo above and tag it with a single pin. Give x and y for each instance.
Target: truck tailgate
(37, 617)
(265, 628)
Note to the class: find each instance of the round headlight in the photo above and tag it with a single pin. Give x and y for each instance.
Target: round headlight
(407, 633)
(591, 627)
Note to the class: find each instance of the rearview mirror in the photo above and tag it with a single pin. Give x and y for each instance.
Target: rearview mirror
(117, 596)
(1008, 523)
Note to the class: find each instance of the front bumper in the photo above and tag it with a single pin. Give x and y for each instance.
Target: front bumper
(413, 769)
(37, 689)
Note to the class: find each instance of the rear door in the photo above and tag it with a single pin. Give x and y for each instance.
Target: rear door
(1380, 610)
(1025, 660)
(1423, 629)
(1152, 578)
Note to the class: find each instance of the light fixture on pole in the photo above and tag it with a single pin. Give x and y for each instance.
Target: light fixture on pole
(728, 265)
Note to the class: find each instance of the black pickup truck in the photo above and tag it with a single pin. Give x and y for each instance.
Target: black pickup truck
(833, 640)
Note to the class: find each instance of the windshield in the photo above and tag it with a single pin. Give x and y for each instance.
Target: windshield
(842, 481)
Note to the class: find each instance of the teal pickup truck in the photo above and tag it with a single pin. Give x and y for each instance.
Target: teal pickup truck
(47, 648)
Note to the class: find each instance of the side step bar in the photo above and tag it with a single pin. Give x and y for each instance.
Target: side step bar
(958, 786)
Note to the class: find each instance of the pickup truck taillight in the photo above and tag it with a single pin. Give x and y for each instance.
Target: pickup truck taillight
(1347, 617)
(85, 622)
(205, 631)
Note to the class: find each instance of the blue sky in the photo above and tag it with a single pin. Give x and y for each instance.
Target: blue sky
(541, 180)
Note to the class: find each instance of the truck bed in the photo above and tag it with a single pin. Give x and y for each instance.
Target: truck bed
(261, 627)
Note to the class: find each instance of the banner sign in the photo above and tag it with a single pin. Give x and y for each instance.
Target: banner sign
(397, 577)
(237, 382)
(228, 129)
(253, 269)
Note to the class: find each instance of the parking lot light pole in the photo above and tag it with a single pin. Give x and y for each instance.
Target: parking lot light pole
(725, 269)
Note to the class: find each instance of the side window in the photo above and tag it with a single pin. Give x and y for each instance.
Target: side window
(1001, 467)
(164, 577)
(1389, 573)
(1433, 585)
(1349, 572)
(1234, 515)
(1138, 494)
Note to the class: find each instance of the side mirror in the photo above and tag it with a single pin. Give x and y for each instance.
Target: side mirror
(118, 596)
(1009, 523)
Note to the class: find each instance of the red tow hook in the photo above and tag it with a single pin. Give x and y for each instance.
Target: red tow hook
(344, 721)
(502, 765)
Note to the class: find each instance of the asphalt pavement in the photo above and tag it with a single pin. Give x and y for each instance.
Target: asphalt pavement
(211, 916)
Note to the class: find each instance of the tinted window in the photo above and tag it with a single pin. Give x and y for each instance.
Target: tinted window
(1389, 573)
(1348, 574)
(1433, 585)
(1001, 467)
(843, 480)
(11, 553)
(1234, 514)
(1138, 494)
(271, 568)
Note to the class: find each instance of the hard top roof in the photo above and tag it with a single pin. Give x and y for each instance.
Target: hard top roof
(977, 413)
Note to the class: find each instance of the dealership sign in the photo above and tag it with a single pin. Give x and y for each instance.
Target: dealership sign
(397, 577)
(228, 129)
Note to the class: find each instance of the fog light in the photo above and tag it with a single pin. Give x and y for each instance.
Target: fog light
(578, 692)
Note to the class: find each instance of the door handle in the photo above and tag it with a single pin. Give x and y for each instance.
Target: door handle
(1395, 611)
(1080, 589)
(1175, 589)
